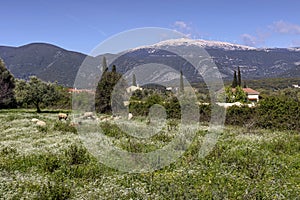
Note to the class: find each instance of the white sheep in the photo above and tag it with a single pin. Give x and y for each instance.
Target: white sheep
(63, 116)
(130, 116)
(87, 115)
(41, 123)
(34, 119)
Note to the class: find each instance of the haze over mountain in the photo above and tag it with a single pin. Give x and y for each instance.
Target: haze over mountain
(52, 63)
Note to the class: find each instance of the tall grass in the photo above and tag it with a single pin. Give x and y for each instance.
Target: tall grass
(53, 164)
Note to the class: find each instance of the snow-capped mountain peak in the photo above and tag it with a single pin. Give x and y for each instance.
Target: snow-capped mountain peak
(203, 44)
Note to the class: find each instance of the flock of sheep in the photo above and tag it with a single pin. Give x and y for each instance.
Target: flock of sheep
(86, 115)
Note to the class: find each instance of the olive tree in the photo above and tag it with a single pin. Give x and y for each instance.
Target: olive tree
(36, 92)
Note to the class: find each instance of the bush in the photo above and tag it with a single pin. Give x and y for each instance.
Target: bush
(55, 190)
(77, 155)
(240, 116)
(279, 113)
(64, 127)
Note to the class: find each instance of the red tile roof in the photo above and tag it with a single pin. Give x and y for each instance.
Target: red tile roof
(250, 91)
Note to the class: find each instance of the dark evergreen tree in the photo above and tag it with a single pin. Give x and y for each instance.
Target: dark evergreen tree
(245, 85)
(181, 86)
(239, 78)
(104, 65)
(104, 91)
(134, 80)
(234, 82)
(114, 69)
(7, 85)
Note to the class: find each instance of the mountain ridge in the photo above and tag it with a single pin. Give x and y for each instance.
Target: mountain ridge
(53, 63)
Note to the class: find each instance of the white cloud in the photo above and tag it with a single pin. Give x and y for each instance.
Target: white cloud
(249, 40)
(187, 29)
(285, 27)
(256, 40)
(181, 25)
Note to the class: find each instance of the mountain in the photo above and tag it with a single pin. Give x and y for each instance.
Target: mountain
(255, 63)
(46, 61)
(52, 63)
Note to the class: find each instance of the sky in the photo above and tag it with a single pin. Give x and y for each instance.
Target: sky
(82, 25)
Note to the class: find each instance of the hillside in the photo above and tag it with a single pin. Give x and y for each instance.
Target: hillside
(52, 63)
(46, 61)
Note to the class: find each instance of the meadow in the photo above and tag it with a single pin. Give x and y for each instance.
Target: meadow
(51, 162)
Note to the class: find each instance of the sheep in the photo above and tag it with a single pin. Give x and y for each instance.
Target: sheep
(130, 116)
(34, 119)
(41, 123)
(87, 115)
(63, 116)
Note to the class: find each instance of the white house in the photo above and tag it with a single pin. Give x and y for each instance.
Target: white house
(252, 95)
(296, 86)
(133, 88)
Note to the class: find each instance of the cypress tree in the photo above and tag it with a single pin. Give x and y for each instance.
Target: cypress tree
(239, 81)
(234, 82)
(134, 80)
(7, 85)
(114, 69)
(104, 65)
(105, 95)
(181, 86)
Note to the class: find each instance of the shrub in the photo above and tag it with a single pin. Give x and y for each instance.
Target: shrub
(43, 129)
(64, 127)
(77, 155)
(279, 113)
(54, 190)
(240, 116)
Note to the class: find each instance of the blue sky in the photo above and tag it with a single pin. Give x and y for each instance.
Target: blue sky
(82, 25)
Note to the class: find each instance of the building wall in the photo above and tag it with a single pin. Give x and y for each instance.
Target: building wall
(253, 96)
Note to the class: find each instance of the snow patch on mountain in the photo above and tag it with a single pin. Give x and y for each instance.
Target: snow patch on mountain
(198, 43)
(203, 44)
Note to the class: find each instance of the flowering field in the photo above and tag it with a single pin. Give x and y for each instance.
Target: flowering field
(50, 162)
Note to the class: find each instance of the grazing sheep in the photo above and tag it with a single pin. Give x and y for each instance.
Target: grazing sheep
(130, 116)
(87, 115)
(34, 119)
(41, 123)
(63, 116)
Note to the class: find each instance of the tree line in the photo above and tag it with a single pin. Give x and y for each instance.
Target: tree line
(32, 93)
(279, 110)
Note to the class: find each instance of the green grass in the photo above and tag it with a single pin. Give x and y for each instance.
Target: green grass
(52, 163)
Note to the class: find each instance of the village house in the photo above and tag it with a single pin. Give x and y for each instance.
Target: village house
(252, 95)
(133, 88)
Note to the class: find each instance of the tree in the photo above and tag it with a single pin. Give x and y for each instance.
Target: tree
(234, 82)
(114, 69)
(36, 92)
(134, 80)
(104, 65)
(229, 95)
(240, 95)
(104, 91)
(7, 85)
(239, 79)
(181, 86)
(245, 84)
(235, 95)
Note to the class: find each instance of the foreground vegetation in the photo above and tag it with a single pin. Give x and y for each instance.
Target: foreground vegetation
(51, 163)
